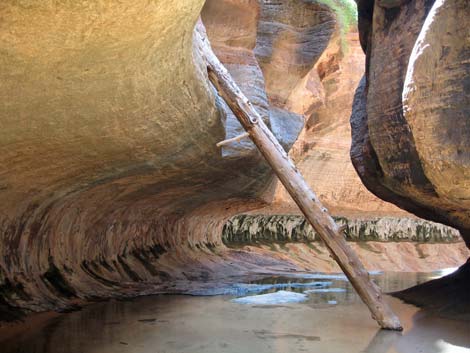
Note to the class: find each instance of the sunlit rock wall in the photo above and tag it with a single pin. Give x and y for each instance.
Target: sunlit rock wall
(107, 144)
(110, 181)
(312, 61)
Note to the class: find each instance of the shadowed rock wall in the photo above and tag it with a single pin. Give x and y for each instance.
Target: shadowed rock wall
(410, 122)
(410, 118)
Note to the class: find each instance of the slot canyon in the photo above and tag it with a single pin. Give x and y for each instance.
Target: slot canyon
(112, 186)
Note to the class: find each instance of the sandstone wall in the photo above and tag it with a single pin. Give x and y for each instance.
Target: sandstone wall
(312, 62)
(247, 229)
(410, 116)
(110, 181)
(107, 144)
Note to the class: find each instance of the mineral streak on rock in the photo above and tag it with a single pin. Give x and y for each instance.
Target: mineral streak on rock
(251, 229)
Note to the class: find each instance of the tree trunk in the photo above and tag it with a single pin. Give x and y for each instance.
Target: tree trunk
(297, 187)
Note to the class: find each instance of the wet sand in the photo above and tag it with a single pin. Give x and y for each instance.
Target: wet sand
(213, 324)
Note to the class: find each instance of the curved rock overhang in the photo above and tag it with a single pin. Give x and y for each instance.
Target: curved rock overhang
(110, 181)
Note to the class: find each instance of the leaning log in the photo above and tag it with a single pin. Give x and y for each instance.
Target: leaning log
(297, 187)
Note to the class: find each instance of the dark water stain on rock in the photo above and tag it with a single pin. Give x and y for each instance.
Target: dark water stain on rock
(57, 282)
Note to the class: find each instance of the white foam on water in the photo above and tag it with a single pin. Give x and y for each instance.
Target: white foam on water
(280, 297)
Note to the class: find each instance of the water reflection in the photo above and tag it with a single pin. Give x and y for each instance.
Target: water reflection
(382, 341)
(183, 324)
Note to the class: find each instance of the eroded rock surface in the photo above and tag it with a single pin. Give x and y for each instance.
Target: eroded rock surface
(410, 119)
(411, 124)
(246, 229)
(108, 133)
(110, 181)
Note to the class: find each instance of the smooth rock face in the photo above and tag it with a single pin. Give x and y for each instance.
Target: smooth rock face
(292, 35)
(410, 118)
(436, 100)
(235, 50)
(310, 64)
(324, 97)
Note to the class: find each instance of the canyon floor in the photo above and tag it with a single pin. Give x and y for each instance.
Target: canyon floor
(330, 319)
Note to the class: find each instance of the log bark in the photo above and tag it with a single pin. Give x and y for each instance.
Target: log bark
(297, 187)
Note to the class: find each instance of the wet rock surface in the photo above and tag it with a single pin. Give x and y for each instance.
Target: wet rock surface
(250, 229)
(455, 285)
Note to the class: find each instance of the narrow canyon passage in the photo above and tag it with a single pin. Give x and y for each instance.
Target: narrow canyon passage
(112, 186)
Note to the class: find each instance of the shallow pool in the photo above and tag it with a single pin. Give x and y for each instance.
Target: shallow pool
(331, 319)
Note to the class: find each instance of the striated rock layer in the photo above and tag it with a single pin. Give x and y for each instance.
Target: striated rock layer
(411, 121)
(410, 118)
(110, 181)
(254, 228)
(107, 150)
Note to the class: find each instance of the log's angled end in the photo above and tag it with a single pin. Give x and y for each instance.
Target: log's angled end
(392, 322)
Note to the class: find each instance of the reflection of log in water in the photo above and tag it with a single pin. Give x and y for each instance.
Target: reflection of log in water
(429, 333)
(382, 341)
